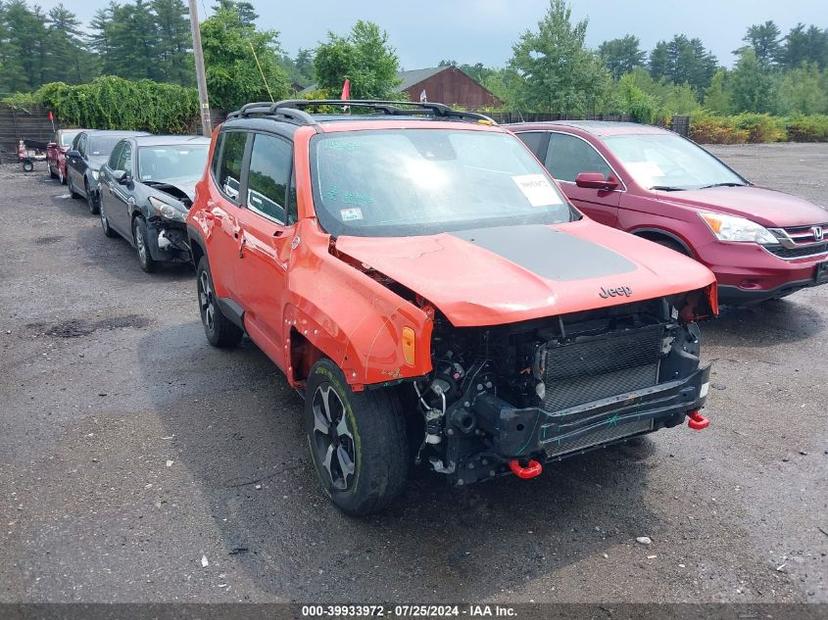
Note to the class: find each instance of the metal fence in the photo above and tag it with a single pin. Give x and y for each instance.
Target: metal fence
(33, 123)
(537, 117)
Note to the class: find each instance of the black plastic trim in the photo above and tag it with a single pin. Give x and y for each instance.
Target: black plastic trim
(524, 432)
(232, 311)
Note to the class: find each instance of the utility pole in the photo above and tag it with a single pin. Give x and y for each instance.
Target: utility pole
(201, 80)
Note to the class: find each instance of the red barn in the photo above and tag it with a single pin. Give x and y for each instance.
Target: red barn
(447, 85)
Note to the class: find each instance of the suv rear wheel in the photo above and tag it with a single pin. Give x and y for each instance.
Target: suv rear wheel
(357, 441)
(220, 331)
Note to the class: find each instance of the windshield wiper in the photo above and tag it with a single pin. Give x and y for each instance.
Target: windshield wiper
(667, 188)
(730, 184)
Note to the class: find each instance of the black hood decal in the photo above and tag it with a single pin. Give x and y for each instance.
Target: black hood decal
(548, 253)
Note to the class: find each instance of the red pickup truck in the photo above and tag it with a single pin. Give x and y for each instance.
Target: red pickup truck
(56, 153)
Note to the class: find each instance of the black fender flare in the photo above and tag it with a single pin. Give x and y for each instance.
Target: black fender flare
(642, 232)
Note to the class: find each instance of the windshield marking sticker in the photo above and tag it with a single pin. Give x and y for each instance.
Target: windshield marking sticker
(645, 172)
(537, 189)
(349, 215)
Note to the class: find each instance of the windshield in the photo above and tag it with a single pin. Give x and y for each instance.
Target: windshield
(669, 161)
(101, 146)
(425, 181)
(66, 137)
(164, 162)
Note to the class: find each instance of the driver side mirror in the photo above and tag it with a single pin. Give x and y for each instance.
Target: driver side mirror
(595, 180)
(74, 154)
(121, 177)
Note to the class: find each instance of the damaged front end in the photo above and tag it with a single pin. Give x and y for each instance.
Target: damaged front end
(511, 397)
(167, 230)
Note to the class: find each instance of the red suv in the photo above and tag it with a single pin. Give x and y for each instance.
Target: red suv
(417, 274)
(760, 243)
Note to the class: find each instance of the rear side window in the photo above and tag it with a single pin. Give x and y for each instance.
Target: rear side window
(229, 169)
(568, 155)
(267, 179)
(534, 140)
(214, 165)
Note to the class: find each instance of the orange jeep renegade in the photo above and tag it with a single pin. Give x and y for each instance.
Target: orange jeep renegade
(419, 276)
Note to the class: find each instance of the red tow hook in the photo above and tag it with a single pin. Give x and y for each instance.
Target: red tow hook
(697, 421)
(532, 469)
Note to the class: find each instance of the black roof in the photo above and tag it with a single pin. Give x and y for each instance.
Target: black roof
(294, 111)
(145, 140)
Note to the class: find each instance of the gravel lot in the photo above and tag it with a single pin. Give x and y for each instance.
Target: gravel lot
(131, 450)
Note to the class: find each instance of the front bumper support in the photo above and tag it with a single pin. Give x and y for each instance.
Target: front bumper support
(533, 432)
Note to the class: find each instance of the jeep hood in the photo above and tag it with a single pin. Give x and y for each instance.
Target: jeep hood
(497, 275)
(763, 206)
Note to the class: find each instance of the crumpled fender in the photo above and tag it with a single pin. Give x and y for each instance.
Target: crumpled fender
(350, 317)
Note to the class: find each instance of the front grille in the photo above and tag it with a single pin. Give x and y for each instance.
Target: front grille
(603, 435)
(799, 252)
(804, 234)
(592, 368)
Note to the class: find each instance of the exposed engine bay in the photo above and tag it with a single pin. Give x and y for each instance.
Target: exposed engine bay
(553, 387)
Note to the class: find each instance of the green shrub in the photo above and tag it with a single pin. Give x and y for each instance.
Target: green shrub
(808, 128)
(710, 129)
(115, 103)
(761, 127)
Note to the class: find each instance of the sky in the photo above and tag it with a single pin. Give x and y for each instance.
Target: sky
(471, 31)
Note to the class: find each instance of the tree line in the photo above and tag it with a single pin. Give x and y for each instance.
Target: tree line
(551, 69)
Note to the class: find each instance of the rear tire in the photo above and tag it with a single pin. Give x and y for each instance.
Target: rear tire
(52, 173)
(357, 441)
(139, 238)
(220, 331)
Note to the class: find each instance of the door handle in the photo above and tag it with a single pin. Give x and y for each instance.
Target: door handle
(242, 243)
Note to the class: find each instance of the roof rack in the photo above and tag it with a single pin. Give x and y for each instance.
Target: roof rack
(292, 110)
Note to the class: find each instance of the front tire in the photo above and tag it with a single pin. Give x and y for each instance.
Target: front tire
(52, 173)
(61, 175)
(91, 200)
(673, 245)
(107, 229)
(71, 187)
(357, 441)
(139, 238)
(220, 331)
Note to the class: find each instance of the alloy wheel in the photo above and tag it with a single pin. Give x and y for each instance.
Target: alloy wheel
(140, 244)
(332, 438)
(206, 301)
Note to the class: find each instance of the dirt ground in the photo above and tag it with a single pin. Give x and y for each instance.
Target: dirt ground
(132, 453)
